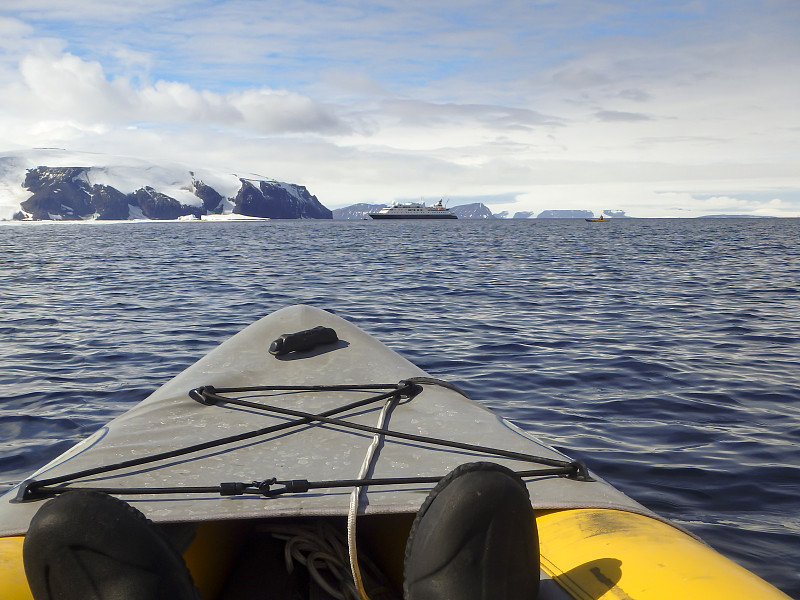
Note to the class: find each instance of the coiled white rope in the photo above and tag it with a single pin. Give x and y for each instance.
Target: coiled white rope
(321, 548)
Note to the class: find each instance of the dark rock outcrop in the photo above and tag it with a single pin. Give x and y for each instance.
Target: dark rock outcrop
(156, 205)
(110, 204)
(274, 200)
(212, 199)
(58, 191)
(65, 193)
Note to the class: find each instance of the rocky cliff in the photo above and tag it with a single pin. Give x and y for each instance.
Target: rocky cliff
(277, 200)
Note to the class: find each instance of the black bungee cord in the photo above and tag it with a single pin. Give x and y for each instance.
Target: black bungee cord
(33, 489)
(208, 395)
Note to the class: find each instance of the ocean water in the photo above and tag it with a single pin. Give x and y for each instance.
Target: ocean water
(663, 353)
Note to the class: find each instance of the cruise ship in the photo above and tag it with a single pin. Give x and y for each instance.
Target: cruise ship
(413, 210)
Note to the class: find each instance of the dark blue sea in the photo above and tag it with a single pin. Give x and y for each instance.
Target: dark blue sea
(664, 353)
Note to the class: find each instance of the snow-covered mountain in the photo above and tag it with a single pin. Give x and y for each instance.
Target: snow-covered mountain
(477, 210)
(51, 184)
(355, 211)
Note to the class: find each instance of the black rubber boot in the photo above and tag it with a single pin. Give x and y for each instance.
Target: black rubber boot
(474, 538)
(91, 546)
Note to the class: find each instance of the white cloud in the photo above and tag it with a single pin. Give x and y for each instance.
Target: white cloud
(282, 111)
(69, 89)
(66, 86)
(12, 30)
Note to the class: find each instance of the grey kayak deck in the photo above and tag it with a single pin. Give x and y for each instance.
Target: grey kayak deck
(169, 419)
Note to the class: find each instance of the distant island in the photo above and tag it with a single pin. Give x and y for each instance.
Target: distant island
(479, 210)
(735, 217)
(56, 185)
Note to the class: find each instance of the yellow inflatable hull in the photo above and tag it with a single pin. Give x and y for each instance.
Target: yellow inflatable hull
(597, 554)
(592, 554)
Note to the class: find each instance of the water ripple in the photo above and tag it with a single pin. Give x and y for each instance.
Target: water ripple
(664, 353)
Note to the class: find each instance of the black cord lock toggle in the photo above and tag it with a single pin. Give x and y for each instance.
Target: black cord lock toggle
(239, 488)
(199, 394)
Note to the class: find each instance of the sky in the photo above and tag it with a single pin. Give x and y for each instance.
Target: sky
(660, 108)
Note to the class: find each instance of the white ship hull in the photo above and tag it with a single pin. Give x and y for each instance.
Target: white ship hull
(414, 210)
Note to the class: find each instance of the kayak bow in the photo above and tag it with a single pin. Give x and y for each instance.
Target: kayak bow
(274, 430)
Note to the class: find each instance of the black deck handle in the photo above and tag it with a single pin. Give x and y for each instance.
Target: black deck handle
(303, 340)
